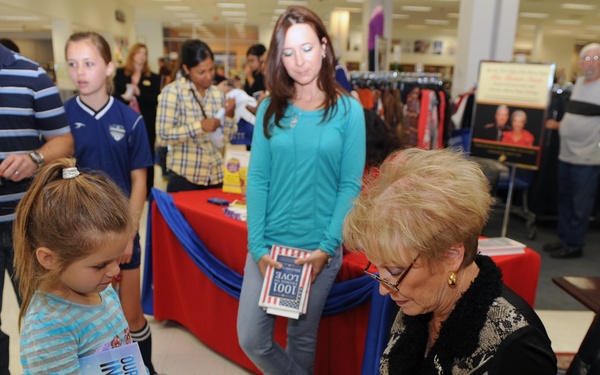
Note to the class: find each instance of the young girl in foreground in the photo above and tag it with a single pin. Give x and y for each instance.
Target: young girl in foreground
(69, 233)
(111, 137)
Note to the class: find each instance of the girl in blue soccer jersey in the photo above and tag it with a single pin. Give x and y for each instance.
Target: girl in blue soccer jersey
(71, 229)
(111, 137)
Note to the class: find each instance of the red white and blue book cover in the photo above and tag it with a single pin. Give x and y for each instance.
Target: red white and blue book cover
(125, 359)
(285, 291)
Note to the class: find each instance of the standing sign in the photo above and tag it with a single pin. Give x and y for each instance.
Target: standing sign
(510, 110)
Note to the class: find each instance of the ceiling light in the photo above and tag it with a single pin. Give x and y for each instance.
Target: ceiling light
(355, 1)
(568, 22)
(292, 2)
(412, 8)
(533, 15)
(231, 5)
(186, 15)
(347, 9)
(19, 18)
(400, 16)
(436, 22)
(176, 7)
(417, 27)
(230, 13)
(577, 6)
(593, 27)
(168, 1)
(278, 11)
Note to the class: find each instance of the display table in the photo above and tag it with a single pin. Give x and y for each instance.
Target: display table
(202, 295)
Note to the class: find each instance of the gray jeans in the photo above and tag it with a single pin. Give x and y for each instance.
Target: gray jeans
(255, 327)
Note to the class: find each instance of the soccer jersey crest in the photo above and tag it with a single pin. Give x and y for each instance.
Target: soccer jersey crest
(117, 131)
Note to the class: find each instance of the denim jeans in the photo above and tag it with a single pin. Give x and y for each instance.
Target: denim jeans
(255, 327)
(577, 189)
(6, 263)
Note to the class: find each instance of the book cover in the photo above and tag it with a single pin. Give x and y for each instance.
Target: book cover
(500, 246)
(235, 169)
(285, 291)
(125, 359)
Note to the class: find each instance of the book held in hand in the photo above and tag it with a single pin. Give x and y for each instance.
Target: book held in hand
(124, 360)
(285, 291)
(500, 246)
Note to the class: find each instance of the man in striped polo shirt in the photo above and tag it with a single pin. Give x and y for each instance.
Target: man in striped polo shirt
(33, 130)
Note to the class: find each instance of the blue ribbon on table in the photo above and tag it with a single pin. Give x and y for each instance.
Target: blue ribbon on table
(343, 295)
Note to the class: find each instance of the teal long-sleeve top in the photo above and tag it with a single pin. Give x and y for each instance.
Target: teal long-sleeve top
(302, 181)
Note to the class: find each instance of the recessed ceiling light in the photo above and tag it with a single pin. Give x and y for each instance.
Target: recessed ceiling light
(417, 27)
(231, 5)
(533, 15)
(292, 2)
(355, 1)
(568, 22)
(231, 13)
(412, 8)
(19, 18)
(176, 7)
(577, 6)
(436, 22)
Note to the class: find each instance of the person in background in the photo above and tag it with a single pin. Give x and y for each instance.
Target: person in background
(493, 131)
(186, 117)
(253, 69)
(578, 158)
(164, 71)
(65, 280)
(111, 137)
(34, 131)
(137, 86)
(307, 160)
(518, 135)
(10, 45)
(418, 223)
(381, 140)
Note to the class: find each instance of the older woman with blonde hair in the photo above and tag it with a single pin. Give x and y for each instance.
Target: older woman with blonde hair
(418, 223)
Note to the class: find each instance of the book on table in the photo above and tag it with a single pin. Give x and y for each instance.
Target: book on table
(500, 246)
(125, 359)
(286, 291)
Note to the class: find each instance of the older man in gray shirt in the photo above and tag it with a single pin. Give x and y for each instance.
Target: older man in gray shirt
(579, 157)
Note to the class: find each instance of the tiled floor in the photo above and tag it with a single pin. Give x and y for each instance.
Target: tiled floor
(178, 352)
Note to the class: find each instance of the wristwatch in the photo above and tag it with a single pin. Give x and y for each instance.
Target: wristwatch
(37, 158)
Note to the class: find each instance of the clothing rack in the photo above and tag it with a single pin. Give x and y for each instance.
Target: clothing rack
(391, 79)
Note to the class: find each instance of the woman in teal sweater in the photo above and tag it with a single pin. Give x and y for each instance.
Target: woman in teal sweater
(305, 169)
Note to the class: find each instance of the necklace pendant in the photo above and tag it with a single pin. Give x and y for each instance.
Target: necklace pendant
(294, 121)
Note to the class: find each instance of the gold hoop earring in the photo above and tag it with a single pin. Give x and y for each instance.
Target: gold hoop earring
(452, 279)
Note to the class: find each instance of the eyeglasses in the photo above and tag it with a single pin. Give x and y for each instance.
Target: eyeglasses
(590, 58)
(388, 283)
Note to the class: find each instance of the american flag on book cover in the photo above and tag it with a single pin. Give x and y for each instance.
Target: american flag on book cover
(288, 288)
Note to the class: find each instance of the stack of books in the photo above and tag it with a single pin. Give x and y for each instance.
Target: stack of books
(236, 210)
(285, 291)
(500, 246)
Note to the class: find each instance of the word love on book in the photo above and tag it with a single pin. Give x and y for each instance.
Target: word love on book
(285, 291)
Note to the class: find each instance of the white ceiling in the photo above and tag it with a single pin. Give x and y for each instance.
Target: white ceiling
(205, 20)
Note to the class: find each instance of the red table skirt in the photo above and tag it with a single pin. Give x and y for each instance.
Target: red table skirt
(182, 293)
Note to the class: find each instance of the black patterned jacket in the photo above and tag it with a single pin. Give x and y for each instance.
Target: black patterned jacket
(491, 331)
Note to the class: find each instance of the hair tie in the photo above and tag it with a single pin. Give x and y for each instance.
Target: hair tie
(69, 173)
